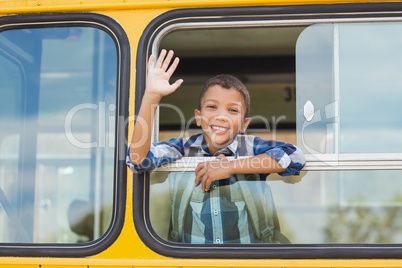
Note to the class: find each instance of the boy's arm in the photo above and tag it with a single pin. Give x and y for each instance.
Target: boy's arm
(157, 86)
(222, 169)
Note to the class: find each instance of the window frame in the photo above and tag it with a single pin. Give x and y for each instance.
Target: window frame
(116, 32)
(263, 15)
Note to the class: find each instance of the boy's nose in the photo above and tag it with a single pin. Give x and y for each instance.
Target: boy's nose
(221, 117)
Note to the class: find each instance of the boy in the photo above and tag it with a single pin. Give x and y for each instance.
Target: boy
(214, 204)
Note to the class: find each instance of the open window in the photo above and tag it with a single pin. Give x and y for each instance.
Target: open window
(330, 86)
(59, 87)
(263, 58)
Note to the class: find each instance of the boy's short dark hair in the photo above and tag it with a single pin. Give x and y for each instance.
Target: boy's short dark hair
(227, 81)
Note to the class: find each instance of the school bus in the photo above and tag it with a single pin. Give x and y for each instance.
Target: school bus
(323, 74)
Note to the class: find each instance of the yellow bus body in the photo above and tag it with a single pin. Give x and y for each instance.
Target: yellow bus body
(128, 250)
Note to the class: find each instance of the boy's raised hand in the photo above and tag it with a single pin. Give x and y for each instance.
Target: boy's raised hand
(158, 76)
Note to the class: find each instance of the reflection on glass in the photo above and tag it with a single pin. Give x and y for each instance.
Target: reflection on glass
(314, 71)
(342, 207)
(351, 74)
(239, 209)
(322, 207)
(370, 87)
(58, 91)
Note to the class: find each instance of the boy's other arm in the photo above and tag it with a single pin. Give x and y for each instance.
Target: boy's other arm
(222, 169)
(157, 86)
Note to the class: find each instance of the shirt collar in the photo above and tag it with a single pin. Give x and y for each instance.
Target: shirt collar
(199, 142)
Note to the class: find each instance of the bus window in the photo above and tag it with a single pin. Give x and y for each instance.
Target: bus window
(264, 60)
(332, 90)
(57, 117)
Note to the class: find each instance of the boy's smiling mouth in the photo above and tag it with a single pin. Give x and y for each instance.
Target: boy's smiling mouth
(219, 129)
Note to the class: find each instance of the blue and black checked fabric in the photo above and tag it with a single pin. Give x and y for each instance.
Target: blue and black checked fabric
(219, 215)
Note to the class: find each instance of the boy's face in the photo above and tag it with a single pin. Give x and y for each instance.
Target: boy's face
(221, 116)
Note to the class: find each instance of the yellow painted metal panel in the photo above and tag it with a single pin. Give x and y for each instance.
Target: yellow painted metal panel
(19, 266)
(128, 250)
(29, 6)
(137, 263)
(112, 266)
(66, 265)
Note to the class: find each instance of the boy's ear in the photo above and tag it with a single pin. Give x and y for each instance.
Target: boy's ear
(197, 114)
(245, 125)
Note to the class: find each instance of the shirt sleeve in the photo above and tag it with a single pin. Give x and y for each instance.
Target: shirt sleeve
(159, 154)
(287, 155)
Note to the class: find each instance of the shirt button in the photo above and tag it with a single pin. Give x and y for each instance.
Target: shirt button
(217, 241)
(215, 212)
(214, 186)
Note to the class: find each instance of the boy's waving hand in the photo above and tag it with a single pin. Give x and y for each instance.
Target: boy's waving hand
(158, 76)
(157, 86)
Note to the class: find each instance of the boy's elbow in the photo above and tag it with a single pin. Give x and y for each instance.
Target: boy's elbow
(135, 158)
(299, 157)
(297, 163)
(135, 162)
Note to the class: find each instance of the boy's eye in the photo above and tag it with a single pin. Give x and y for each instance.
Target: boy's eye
(211, 106)
(233, 110)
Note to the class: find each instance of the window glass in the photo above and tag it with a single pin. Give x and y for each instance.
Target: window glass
(355, 206)
(58, 98)
(349, 83)
(239, 210)
(314, 54)
(319, 207)
(346, 83)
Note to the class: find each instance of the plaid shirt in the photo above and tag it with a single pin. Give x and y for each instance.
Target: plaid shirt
(220, 215)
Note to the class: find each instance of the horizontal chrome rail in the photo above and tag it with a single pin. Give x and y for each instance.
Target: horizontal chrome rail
(314, 162)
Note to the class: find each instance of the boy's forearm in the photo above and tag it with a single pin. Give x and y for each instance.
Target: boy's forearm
(141, 139)
(157, 86)
(217, 170)
(262, 163)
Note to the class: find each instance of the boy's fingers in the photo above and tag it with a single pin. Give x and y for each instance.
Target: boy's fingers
(203, 182)
(206, 183)
(160, 59)
(198, 174)
(221, 156)
(151, 61)
(198, 179)
(167, 60)
(177, 84)
(173, 67)
(199, 167)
